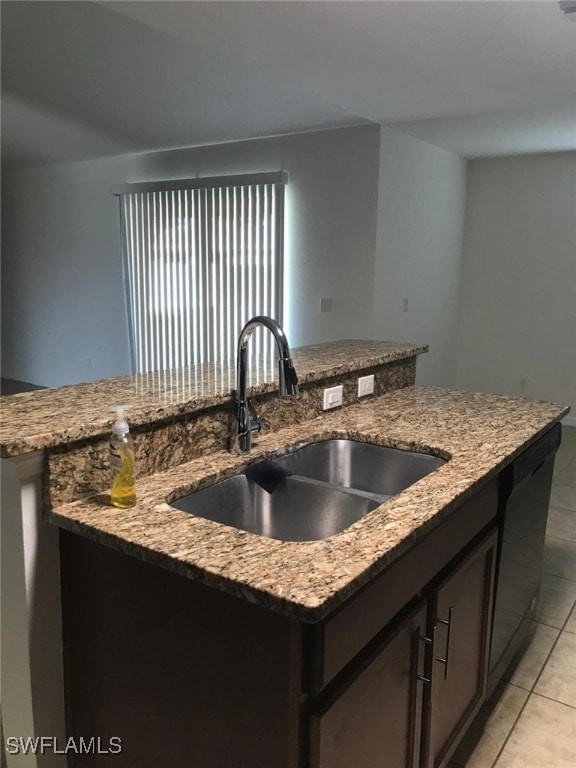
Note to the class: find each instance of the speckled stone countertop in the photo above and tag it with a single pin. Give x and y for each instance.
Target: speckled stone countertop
(307, 580)
(45, 418)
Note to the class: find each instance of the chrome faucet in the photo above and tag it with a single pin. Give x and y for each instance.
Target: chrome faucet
(247, 420)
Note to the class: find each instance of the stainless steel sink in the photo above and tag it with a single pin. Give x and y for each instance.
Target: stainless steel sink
(374, 469)
(316, 491)
(297, 510)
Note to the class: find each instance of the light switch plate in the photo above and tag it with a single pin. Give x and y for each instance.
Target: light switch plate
(333, 397)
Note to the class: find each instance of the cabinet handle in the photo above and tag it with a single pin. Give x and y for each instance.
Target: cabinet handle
(448, 623)
(426, 641)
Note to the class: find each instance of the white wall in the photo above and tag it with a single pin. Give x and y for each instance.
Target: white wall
(418, 250)
(518, 318)
(63, 303)
(63, 315)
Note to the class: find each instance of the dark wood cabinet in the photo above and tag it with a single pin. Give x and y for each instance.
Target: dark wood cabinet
(395, 710)
(185, 676)
(460, 616)
(375, 721)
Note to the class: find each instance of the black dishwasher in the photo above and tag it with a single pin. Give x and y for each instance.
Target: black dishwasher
(523, 513)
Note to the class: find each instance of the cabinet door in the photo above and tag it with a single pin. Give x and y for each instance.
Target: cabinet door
(460, 622)
(374, 721)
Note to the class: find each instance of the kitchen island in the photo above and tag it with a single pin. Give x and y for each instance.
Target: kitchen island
(311, 614)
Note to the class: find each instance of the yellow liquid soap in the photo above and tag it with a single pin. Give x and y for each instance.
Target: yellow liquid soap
(123, 492)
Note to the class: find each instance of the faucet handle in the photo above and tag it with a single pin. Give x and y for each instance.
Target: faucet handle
(288, 377)
(255, 422)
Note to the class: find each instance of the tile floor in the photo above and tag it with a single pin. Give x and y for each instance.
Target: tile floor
(530, 721)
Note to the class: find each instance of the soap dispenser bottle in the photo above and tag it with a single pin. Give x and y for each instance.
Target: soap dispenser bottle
(123, 492)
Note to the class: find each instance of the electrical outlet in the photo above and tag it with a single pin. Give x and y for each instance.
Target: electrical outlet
(333, 397)
(366, 385)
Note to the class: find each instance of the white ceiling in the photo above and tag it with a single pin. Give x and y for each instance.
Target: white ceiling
(477, 77)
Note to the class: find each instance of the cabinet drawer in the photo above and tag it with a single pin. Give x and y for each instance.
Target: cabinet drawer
(336, 641)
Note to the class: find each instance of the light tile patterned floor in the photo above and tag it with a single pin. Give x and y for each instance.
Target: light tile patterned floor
(530, 721)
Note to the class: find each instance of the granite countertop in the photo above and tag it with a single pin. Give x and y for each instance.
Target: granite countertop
(479, 434)
(45, 418)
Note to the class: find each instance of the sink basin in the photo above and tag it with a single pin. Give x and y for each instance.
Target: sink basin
(374, 469)
(297, 510)
(329, 485)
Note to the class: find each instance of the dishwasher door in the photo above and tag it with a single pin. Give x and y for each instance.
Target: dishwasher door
(523, 515)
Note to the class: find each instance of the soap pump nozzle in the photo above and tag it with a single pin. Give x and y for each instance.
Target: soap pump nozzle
(120, 426)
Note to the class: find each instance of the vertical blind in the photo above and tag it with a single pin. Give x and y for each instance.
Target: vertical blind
(200, 258)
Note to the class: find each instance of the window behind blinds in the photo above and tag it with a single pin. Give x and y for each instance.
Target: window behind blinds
(200, 258)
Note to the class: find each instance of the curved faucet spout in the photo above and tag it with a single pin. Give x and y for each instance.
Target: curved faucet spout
(246, 423)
